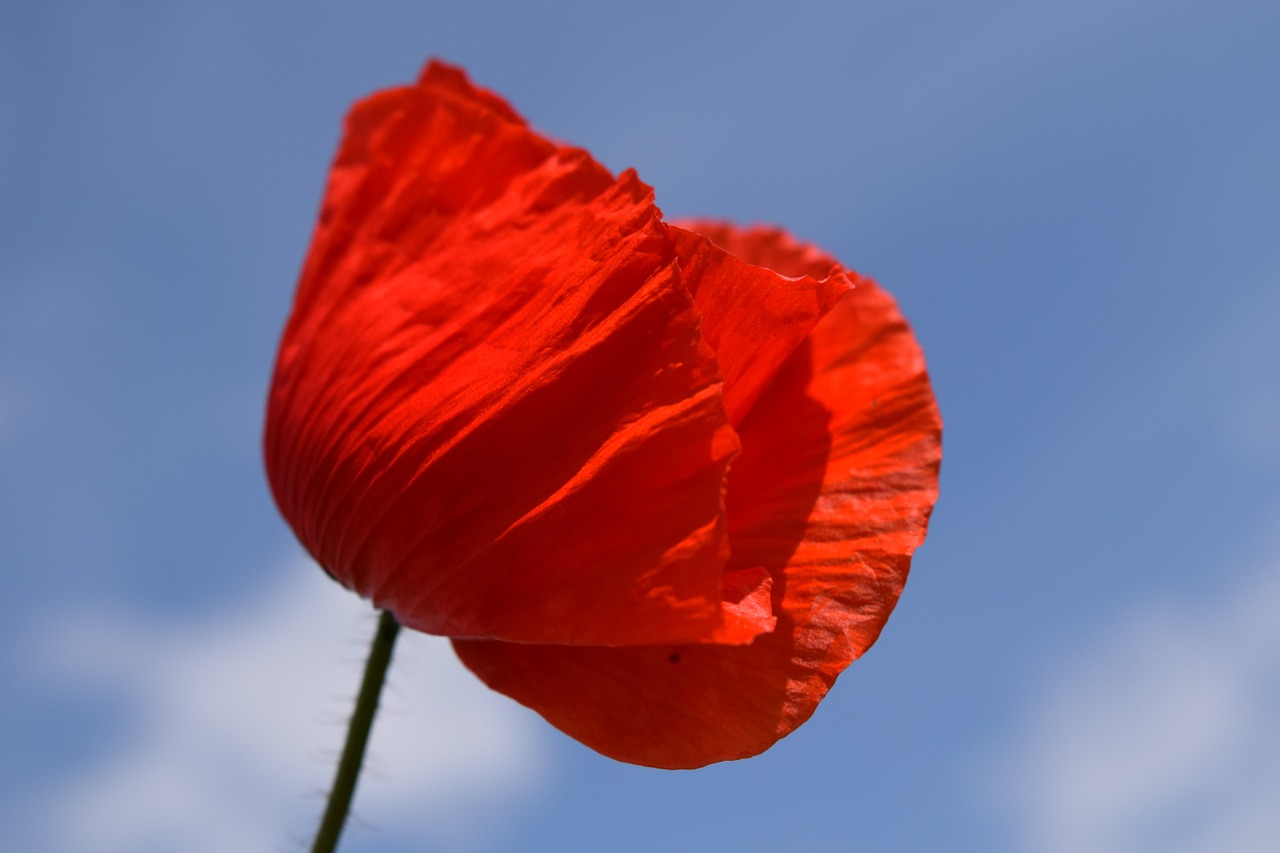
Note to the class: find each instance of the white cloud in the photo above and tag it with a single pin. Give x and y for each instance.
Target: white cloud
(239, 721)
(1160, 735)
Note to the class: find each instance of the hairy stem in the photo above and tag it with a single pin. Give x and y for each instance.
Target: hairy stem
(344, 783)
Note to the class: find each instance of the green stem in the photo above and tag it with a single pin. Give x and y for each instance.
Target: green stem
(344, 783)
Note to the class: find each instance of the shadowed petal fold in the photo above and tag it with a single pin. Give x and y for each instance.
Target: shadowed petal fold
(830, 496)
(752, 316)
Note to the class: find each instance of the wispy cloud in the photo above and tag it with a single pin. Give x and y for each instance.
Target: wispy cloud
(239, 719)
(1159, 735)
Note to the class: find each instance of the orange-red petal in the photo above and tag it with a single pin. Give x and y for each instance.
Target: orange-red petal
(752, 316)
(493, 412)
(831, 495)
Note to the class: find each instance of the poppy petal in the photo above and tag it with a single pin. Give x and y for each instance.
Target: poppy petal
(493, 413)
(831, 495)
(752, 316)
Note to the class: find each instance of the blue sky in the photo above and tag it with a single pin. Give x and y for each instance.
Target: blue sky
(1077, 206)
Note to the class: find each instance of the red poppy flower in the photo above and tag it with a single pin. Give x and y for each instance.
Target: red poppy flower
(659, 483)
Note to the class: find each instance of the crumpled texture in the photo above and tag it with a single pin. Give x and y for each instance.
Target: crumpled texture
(660, 483)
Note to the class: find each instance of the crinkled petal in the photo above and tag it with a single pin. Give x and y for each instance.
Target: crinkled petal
(831, 495)
(753, 316)
(493, 413)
